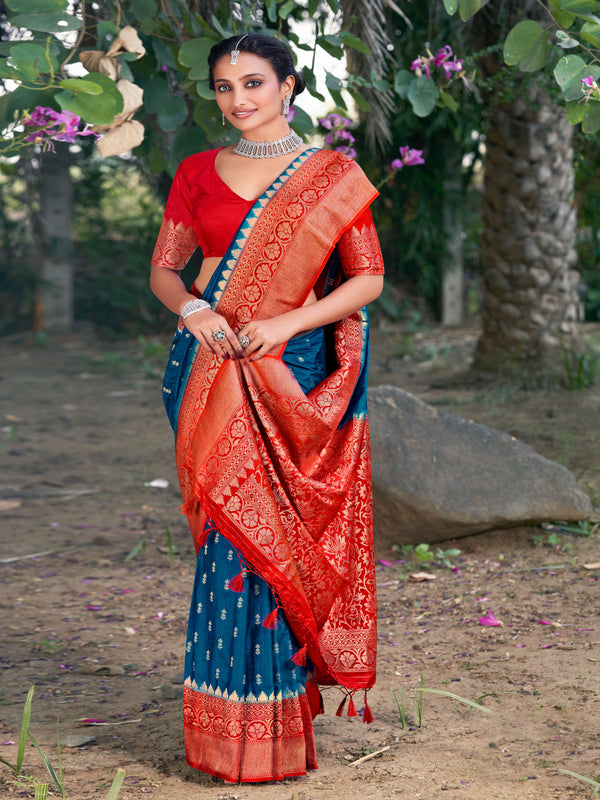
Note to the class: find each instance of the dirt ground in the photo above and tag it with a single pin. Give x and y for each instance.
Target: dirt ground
(83, 433)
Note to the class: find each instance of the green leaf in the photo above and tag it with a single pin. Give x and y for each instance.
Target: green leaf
(271, 6)
(36, 6)
(331, 45)
(204, 90)
(27, 57)
(114, 790)
(313, 5)
(526, 46)
(360, 101)
(311, 83)
(562, 17)
(106, 28)
(354, 42)
(565, 41)
(568, 74)
(49, 23)
(98, 109)
(194, 54)
(467, 8)
(186, 142)
(580, 8)
(423, 95)
(24, 730)
(590, 32)
(591, 120)
(171, 109)
(81, 85)
(575, 111)
(448, 101)
(286, 9)
(332, 82)
(144, 9)
(402, 83)
(451, 6)
(302, 122)
(23, 99)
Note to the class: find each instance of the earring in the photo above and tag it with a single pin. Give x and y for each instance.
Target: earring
(223, 118)
(286, 105)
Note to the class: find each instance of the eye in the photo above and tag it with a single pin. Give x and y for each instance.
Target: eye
(253, 83)
(223, 87)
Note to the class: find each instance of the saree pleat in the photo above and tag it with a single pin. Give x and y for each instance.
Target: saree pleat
(274, 469)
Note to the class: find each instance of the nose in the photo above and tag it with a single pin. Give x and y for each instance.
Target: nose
(238, 97)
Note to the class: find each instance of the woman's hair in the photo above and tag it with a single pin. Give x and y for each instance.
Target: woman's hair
(267, 47)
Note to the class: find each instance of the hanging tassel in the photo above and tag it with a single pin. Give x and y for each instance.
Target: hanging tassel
(237, 584)
(367, 716)
(352, 712)
(340, 710)
(299, 657)
(270, 621)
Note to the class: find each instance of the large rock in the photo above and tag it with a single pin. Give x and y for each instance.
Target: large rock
(437, 476)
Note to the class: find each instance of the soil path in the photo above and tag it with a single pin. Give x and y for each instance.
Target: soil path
(83, 433)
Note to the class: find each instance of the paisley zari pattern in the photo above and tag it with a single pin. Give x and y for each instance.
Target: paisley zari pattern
(284, 476)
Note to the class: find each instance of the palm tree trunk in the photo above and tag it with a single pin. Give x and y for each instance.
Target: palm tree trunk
(530, 300)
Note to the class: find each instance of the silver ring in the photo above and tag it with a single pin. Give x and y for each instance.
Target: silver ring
(219, 335)
(244, 341)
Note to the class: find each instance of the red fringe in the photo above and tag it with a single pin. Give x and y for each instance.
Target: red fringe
(352, 712)
(270, 621)
(237, 584)
(367, 716)
(340, 710)
(299, 658)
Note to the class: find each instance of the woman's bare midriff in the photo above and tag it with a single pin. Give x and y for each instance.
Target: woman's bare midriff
(210, 264)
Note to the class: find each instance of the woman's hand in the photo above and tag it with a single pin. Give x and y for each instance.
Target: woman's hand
(204, 324)
(265, 334)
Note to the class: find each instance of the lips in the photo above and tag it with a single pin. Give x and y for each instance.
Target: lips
(243, 114)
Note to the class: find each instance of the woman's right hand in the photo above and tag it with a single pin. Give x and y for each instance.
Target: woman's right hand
(204, 324)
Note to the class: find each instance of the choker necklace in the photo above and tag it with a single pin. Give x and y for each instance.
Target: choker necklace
(278, 147)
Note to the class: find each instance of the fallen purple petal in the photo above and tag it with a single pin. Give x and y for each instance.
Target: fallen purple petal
(490, 620)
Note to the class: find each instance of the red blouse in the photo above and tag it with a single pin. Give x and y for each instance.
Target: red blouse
(202, 210)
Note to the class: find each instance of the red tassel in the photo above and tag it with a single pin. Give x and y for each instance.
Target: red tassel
(352, 712)
(237, 584)
(271, 621)
(367, 716)
(340, 710)
(299, 658)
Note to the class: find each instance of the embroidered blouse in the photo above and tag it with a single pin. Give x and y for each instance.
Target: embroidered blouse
(203, 211)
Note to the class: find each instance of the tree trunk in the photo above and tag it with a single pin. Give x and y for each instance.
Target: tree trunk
(530, 301)
(56, 206)
(453, 262)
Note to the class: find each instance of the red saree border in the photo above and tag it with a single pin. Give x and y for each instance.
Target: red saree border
(271, 466)
(248, 742)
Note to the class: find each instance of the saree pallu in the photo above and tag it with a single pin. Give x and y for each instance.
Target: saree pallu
(274, 469)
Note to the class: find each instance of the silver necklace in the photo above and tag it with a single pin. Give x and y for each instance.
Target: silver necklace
(278, 147)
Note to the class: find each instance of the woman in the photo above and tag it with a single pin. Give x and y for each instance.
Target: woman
(265, 389)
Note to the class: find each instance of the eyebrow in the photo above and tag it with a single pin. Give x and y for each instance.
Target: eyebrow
(242, 77)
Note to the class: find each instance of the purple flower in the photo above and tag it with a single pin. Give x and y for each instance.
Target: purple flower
(420, 65)
(348, 151)
(334, 120)
(345, 136)
(51, 125)
(408, 158)
(291, 114)
(442, 55)
(489, 621)
(443, 58)
(589, 82)
(329, 138)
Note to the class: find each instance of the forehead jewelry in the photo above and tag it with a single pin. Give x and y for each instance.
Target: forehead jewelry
(235, 53)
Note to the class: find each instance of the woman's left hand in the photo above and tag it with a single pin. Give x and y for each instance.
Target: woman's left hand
(264, 335)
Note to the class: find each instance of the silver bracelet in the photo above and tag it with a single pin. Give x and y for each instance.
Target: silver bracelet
(193, 305)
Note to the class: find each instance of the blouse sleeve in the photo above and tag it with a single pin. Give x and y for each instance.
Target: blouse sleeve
(176, 240)
(358, 248)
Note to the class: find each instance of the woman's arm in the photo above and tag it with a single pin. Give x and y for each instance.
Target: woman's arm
(170, 290)
(349, 297)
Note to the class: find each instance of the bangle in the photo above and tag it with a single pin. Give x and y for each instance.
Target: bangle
(192, 306)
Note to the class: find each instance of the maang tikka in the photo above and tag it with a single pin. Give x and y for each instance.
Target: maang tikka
(235, 53)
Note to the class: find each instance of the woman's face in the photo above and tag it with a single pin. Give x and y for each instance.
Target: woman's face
(250, 95)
